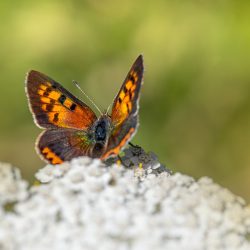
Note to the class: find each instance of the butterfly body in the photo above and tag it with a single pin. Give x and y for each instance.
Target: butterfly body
(72, 129)
(100, 133)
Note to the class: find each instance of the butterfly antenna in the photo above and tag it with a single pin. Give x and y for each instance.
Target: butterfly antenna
(107, 109)
(110, 105)
(77, 85)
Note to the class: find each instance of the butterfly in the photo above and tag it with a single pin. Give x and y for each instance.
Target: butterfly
(72, 129)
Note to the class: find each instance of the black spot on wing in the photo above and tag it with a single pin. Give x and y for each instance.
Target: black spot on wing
(50, 159)
(52, 101)
(49, 107)
(125, 89)
(45, 153)
(73, 106)
(132, 79)
(47, 91)
(55, 119)
(62, 99)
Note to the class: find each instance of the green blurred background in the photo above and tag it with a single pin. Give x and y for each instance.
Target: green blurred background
(195, 102)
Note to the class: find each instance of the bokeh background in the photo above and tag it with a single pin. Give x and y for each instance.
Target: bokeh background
(195, 102)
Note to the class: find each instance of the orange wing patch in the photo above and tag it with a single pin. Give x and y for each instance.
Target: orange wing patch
(50, 156)
(116, 150)
(61, 110)
(124, 101)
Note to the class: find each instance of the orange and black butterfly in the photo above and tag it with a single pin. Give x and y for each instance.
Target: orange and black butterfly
(72, 129)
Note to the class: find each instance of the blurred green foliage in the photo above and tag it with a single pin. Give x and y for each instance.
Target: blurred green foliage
(195, 103)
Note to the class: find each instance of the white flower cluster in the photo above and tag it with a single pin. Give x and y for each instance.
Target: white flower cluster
(12, 187)
(86, 205)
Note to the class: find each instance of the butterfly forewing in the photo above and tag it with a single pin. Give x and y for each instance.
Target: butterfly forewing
(125, 103)
(125, 108)
(53, 106)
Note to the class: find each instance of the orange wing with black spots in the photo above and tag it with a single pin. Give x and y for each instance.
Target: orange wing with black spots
(125, 103)
(53, 106)
(124, 114)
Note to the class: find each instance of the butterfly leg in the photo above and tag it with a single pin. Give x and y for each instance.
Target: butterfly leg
(132, 145)
(120, 161)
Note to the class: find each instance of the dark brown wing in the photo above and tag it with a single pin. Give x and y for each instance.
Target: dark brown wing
(58, 145)
(53, 106)
(124, 114)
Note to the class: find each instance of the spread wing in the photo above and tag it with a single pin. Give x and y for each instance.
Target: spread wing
(124, 114)
(53, 106)
(60, 144)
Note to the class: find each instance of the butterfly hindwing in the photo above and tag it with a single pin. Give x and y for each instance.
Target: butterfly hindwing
(59, 145)
(120, 137)
(53, 106)
(124, 114)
